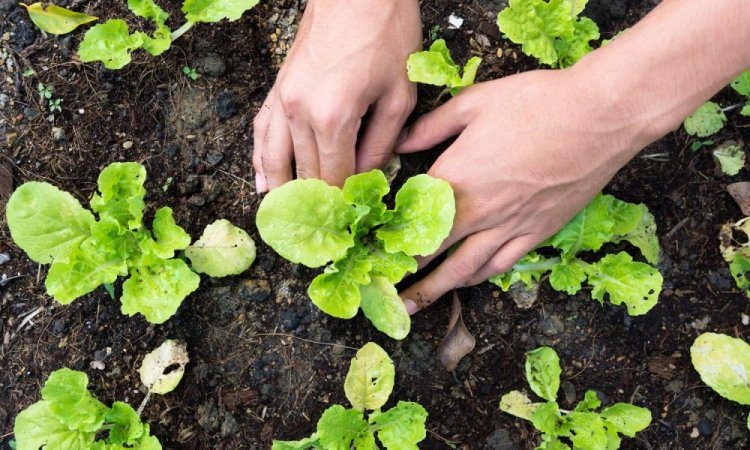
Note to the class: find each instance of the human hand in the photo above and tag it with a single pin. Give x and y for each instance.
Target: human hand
(532, 150)
(348, 59)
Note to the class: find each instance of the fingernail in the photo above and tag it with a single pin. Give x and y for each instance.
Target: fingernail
(261, 185)
(411, 307)
(402, 137)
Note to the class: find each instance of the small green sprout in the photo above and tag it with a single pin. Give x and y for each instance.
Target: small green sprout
(55, 105)
(28, 73)
(190, 73)
(45, 92)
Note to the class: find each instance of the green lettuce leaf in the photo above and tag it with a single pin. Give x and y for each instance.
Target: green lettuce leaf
(567, 276)
(169, 236)
(543, 372)
(742, 84)
(126, 424)
(216, 10)
(367, 190)
(535, 24)
(338, 427)
(370, 379)
(585, 430)
(110, 43)
(436, 67)
(707, 120)
(85, 269)
(336, 291)
(159, 42)
(393, 266)
(306, 221)
(588, 230)
(148, 9)
(47, 223)
(68, 398)
(633, 283)
(381, 304)
(627, 419)
(731, 157)
(122, 192)
(589, 403)
(643, 236)
(222, 250)
(303, 444)
(571, 50)
(740, 267)
(55, 19)
(518, 404)
(401, 427)
(156, 288)
(423, 218)
(723, 363)
(527, 270)
(37, 427)
(547, 418)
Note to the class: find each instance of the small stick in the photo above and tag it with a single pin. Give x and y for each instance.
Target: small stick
(28, 318)
(143, 403)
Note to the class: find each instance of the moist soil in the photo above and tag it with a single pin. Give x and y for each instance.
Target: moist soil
(265, 362)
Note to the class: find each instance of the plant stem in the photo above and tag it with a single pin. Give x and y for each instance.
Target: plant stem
(143, 403)
(182, 30)
(543, 265)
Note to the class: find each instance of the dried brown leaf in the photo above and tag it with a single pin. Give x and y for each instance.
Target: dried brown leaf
(740, 192)
(458, 342)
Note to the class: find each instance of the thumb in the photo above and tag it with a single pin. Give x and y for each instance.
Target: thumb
(434, 127)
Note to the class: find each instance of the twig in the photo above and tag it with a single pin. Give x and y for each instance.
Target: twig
(143, 403)
(28, 318)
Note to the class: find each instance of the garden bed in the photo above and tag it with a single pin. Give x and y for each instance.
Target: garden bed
(265, 362)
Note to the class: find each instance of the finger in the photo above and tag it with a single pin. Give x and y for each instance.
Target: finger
(336, 152)
(386, 121)
(454, 272)
(305, 147)
(260, 130)
(277, 151)
(436, 126)
(503, 259)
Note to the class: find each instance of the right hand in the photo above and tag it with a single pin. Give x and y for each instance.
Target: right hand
(348, 59)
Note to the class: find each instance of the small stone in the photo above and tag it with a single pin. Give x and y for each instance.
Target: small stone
(58, 134)
(4, 99)
(499, 440)
(211, 65)
(214, 157)
(569, 391)
(524, 297)
(10, 139)
(255, 291)
(30, 113)
(602, 397)
(551, 326)
(289, 320)
(59, 327)
(229, 426)
(98, 365)
(745, 319)
(191, 185)
(172, 149)
(127, 145)
(695, 433)
(705, 427)
(226, 105)
(197, 200)
(99, 355)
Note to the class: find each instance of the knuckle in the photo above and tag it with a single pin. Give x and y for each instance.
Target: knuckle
(291, 102)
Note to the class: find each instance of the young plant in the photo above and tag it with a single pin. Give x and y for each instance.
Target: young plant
(190, 72)
(731, 157)
(708, 120)
(604, 220)
(372, 248)
(70, 417)
(742, 86)
(52, 227)
(436, 67)
(723, 363)
(549, 30)
(583, 427)
(737, 253)
(112, 42)
(368, 385)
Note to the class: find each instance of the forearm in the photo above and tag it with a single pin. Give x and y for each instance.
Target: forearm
(666, 66)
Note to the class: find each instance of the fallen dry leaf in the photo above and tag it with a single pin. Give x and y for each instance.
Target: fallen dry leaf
(458, 342)
(740, 192)
(6, 183)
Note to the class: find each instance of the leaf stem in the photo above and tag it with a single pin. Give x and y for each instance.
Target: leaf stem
(180, 31)
(143, 403)
(541, 266)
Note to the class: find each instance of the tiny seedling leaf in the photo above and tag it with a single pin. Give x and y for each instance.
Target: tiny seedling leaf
(370, 379)
(55, 19)
(162, 369)
(731, 157)
(709, 119)
(222, 250)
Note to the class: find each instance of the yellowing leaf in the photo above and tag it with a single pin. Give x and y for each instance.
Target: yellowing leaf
(55, 19)
(370, 379)
(156, 369)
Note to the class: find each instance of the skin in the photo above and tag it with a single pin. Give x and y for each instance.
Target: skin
(531, 149)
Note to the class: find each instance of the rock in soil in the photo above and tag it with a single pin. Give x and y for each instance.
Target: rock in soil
(226, 105)
(210, 65)
(499, 440)
(524, 298)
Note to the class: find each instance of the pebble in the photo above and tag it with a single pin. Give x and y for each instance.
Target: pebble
(705, 427)
(58, 134)
(211, 65)
(172, 149)
(127, 145)
(290, 320)
(197, 200)
(30, 113)
(4, 99)
(190, 186)
(745, 319)
(551, 326)
(255, 291)
(226, 105)
(214, 157)
(499, 440)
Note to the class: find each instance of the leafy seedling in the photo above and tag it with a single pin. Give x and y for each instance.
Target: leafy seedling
(582, 428)
(697, 145)
(731, 157)
(708, 120)
(45, 92)
(737, 253)
(742, 86)
(372, 247)
(70, 417)
(436, 67)
(723, 363)
(52, 227)
(55, 19)
(549, 30)
(616, 276)
(190, 72)
(368, 386)
(55, 105)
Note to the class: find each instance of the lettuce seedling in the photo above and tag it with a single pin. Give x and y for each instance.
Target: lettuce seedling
(52, 227)
(707, 120)
(723, 363)
(372, 248)
(436, 67)
(582, 428)
(549, 30)
(731, 157)
(368, 385)
(742, 86)
(737, 253)
(70, 417)
(604, 220)
(112, 42)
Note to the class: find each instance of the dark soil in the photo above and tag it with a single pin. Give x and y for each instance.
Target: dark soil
(264, 361)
